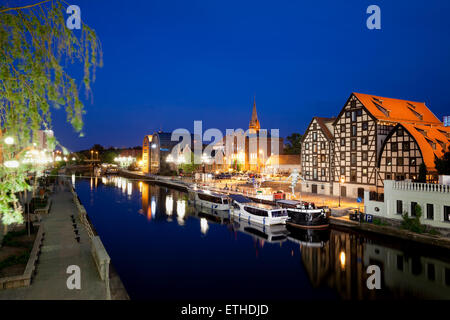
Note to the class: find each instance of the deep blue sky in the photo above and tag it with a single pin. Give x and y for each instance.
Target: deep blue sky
(168, 63)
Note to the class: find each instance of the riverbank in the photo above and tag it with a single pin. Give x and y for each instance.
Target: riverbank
(61, 249)
(339, 215)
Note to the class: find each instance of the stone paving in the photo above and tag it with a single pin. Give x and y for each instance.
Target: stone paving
(60, 250)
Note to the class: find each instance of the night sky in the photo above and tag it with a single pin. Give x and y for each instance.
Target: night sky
(168, 63)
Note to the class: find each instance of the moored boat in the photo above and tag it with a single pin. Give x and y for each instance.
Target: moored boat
(305, 215)
(264, 214)
(212, 200)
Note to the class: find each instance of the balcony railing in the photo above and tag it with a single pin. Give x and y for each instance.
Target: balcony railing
(421, 187)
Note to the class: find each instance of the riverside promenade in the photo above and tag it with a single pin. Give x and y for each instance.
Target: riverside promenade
(59, 251)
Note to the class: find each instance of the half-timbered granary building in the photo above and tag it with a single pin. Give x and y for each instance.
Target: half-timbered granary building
(377, 138)
(318, 156)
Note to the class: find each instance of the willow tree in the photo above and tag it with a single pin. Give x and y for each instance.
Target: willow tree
(36, 51)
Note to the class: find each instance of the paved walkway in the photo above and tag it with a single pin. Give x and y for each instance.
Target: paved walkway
(318, 199)
(60, 250)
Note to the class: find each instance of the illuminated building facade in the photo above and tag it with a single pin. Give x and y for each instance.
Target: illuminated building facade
(377, 138)
(249, 150)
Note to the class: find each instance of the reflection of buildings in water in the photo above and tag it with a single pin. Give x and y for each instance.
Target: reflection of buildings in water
(409, 276)
(338, 264)
(144, 198)
(153, 207)
(159, 204)
(169, 205)
(204, 225)
(181, 211)
(342, 264)
(130, 188)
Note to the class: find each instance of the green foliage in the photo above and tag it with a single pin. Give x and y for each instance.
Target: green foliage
(293, 144)
(422, 173)
(237, 166)
(108, 156)
(413, 224)
(443, 164)
(433, 232)
(36, 49)
(379, 222)
(189, 166)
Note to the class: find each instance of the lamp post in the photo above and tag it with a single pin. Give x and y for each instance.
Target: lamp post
(341, 181)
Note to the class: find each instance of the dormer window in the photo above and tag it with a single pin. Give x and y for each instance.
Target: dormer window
(383, 110)
(377, 100)
(418, 115)
(421, 131)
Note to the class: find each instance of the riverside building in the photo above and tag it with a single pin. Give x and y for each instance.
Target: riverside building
(371, 140)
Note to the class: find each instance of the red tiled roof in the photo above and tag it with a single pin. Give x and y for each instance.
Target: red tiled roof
(425, 135)
(398, 110)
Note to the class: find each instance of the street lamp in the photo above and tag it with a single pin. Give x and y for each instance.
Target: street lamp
(11, 164)
(341, 181)
(9, 140)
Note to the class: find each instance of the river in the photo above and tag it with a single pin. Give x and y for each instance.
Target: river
(166, 249)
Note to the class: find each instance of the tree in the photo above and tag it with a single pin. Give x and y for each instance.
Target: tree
(108, 156)
(443, 164)
(98, 147)
(293, 145)
(189, 166)
(36, 48)
(422, 173)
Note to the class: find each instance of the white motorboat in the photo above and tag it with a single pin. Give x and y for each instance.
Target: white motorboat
(246, 209)
(211, 200)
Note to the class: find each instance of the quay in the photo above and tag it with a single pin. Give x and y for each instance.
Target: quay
(339, 216)
(60, 249)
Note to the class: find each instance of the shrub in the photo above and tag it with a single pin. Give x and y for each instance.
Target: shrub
(379, 222)
(413, 224)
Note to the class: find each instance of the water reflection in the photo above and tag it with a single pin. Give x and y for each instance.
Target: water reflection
(169, 205)
(204, 225)
(331, 259)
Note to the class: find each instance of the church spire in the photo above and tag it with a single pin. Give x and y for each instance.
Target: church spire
(254, 122)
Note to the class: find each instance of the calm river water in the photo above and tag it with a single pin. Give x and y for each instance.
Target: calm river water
(164, 249)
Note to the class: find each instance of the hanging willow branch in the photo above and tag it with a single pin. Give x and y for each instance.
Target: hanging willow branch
(36, 49)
